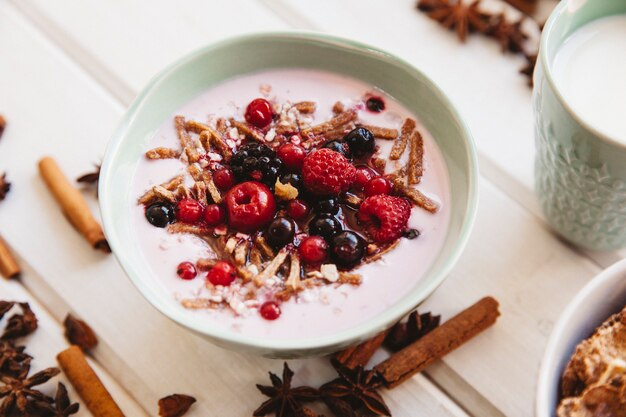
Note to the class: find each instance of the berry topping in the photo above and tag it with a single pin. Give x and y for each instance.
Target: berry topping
(327, 206)
(327, 172)
(293, 179)
(339, 146)
(292, 156)
(378, 185)
(280, 232)
(375, 104)
(298, 209)
(313, 250)
(160, 214)
(363, 175)
(257, 162)
(214, 214)
(361, 142)
(222, 273)
(189, 210)
(325, 226)
(224, 179)
(250, 206)
(186, 270)
(347, 249)
(259, 113)
(384, 217)
(269, 310)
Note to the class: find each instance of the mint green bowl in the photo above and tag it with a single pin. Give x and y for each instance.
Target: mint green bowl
(200, 70)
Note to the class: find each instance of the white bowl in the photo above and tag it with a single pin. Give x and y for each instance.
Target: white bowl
(597, 301)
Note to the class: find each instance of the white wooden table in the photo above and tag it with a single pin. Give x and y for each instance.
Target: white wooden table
(68, 70)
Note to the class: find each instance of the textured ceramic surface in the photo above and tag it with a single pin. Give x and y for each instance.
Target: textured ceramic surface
(597, 301)
(195, 73)
(580, 174)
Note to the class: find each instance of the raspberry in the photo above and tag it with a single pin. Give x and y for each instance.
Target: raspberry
(384, 217)
(326, 172)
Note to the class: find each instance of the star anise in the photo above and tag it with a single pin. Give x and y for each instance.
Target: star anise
(5, 306)
(415, 327)
(62, 406)
(13, 359)
(20, 325)
(91, 177)
(529, 68)
(284, 400)
(354, 390)
(175, 405)
(79, 333)
(5, 186)
(510, 35)
(18, 393)
(456, 15)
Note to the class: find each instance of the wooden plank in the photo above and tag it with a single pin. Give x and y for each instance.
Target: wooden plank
(123, 44)
(48, 340)
(71, 119)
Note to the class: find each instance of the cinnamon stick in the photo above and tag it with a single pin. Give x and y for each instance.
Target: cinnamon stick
(9, 267)
(93, 393)
(72, 204)
(3, 125)
(361, 354)
(439, 342)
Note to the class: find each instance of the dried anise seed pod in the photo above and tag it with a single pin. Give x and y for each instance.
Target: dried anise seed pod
(456, 15)
(529, 68)
(5, 187)
(91, 177)
(404, 333)
(18, 393)
(13, 359)
(510, 35)
(78, 333)
(353, 390)
(284, 400)
(5, 306)
(175, 405)
(20, 325)
(62, 406)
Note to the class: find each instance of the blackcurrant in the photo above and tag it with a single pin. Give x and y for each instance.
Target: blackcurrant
(280, 232)
(347, 248)
(327, 206)
(325, 226)
(160, 214)
(339, 146)
(361, 142)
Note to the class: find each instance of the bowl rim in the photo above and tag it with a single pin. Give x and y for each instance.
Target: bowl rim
(550, 360)
(279, 346)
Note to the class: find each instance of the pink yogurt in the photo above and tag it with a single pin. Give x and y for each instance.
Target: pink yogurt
(316, 312)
